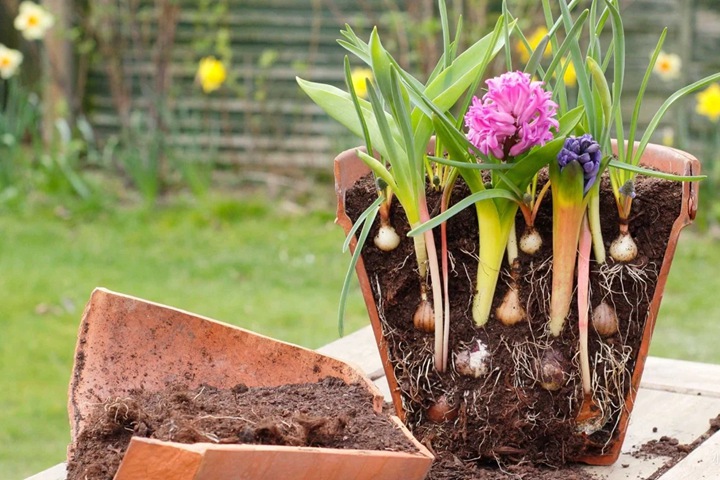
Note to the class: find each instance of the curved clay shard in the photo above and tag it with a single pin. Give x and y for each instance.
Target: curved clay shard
(127, 343)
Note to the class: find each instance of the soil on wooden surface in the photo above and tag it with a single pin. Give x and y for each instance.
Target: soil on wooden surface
(671, 447)
(505, 416)
(329, 414)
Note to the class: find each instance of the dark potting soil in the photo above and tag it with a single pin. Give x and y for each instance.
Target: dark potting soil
(329, 414)
(505, 417)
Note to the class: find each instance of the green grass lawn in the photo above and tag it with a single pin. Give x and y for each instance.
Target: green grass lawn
(243, 262)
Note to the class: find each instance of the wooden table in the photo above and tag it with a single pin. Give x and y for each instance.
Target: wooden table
(676, 399)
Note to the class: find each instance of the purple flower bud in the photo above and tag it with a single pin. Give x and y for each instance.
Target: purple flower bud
(514, 115)
(584, 150)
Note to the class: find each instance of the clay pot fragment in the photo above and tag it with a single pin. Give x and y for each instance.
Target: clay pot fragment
(126, 343)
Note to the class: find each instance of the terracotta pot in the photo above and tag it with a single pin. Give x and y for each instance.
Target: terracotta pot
(349, 168)
(127, 343)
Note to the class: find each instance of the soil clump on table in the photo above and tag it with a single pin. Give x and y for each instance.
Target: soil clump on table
(505, 416)
(671, 447)
(328, 414)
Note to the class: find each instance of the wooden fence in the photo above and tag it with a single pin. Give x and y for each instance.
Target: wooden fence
(262, 118)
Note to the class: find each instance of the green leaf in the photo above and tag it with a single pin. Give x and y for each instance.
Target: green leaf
(524, 169)
(378, 169)
(340, 106)
(655, 173)
(569, 121)
(351, 268)
(488, 194)
(359, 222)
(471, 165)
(641, 94)
(664, 108)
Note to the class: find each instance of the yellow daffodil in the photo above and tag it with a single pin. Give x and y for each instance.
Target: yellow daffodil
(10, 60)
(33, 21)
(708, 102)
(668, 66)
(211, 74)
(533, 40)
(358, 76)
(569, 77)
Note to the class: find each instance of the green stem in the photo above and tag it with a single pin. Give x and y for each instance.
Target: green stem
(595, 226)
(493, 233)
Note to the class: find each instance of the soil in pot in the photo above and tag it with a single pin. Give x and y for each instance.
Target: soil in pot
(506, 416)
(329, 414)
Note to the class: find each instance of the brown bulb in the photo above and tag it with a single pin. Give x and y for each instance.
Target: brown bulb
(552, 373)
(605, 320)
(424, 317)
(442, 410)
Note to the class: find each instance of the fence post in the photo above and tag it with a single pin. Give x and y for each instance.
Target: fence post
(58, 90)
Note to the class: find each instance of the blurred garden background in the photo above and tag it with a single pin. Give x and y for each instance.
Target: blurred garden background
(161, 148)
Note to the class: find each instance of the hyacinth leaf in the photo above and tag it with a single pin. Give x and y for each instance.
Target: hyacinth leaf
(356, 103)
(359, 222)
(449, 85)
(354, 44)
(537, 55)
(570, 121)
(525, 168)
(378, 168)
(617, 47)
(570, 39)
(583, 83)
(639, 99)
(340, 106)
(372, 212)
(664, 108)
(484, 195)
(469, 164)
(602, 92)
(655, 173)
(569, 205)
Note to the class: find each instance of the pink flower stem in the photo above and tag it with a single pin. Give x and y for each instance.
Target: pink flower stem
(583, 282)
(440, 349)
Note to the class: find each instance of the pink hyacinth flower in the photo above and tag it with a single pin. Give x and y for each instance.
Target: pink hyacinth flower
(514, 115)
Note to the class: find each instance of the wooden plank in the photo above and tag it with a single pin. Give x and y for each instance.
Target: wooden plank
(359, 349)
(692, 378)
(701, 463)
(53, 473)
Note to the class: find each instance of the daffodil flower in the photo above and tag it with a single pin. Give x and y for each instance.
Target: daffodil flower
(359, 77)
(211, 74)
(10, 60)
(668, 66)
(33, 21)
(533, 41)
(708, 102)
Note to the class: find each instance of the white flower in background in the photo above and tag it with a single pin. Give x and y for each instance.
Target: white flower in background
(33, 21)
(10, 60)
(668, 66)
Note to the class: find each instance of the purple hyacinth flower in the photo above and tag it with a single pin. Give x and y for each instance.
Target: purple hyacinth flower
(514, 115)
(584, 150)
